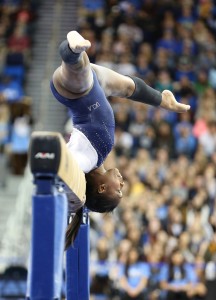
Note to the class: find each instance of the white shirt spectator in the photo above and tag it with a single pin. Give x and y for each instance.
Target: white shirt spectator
(208, 142)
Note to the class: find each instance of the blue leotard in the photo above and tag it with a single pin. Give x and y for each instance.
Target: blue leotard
(93, 116)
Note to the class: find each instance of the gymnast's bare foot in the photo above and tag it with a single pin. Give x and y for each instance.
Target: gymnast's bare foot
(77, 43)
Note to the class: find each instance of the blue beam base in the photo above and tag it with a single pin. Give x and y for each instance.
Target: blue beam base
(49, 222)
(77, 265)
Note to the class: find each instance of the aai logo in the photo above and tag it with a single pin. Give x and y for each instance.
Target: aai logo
(45, 155)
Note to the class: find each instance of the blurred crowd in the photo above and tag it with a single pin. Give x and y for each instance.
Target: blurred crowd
(17, 19)
(161, 242)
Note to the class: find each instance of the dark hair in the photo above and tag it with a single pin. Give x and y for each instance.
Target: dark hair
(171, 267)
(95, 201)
(99, 202)
(73, 228)
(127, 265)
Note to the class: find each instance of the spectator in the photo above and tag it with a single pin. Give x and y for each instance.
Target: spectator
(4, 140)
(131, 31)
(20, 138)
(10, 89)
(185, 141)
(134, 277)
(199, 289)
(4, 125)
(155, 265)
(125, 66)
(100, 281)
(184, 247)
(93, 9)
(177, 277)
(201, 83)
(165, 137)
(164, 81)
(19, 41)
(168, 42)
(208, 139)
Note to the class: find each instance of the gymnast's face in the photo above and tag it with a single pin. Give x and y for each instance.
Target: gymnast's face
(113, 182)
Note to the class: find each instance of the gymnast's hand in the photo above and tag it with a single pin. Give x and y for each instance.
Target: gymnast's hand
(169, 102)
(77, 43)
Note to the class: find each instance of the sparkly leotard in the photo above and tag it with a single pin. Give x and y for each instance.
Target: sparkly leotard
(93, 116)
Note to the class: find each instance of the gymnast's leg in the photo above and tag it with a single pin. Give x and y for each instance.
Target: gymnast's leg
(73, 78)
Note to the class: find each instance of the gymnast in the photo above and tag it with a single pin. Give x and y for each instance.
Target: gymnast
(83, 88)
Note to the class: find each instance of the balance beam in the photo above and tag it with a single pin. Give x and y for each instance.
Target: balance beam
(51, 161)
(49, 154)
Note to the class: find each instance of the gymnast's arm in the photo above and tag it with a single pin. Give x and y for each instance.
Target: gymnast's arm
(134, 88)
